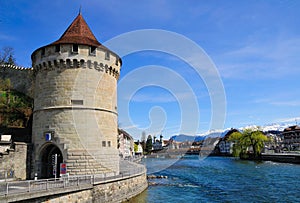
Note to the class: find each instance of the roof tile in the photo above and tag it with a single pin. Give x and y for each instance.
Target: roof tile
(78, 33)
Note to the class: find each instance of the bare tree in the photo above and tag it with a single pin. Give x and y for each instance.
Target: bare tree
(7, 56)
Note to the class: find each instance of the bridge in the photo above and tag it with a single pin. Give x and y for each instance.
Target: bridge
(35, 189)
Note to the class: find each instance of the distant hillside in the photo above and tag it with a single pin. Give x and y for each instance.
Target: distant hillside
(183, 138)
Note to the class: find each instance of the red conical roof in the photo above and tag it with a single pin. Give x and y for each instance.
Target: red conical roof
(78, 33)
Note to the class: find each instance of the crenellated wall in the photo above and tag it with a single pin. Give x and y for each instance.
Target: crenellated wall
(21, 77)
(46, 58)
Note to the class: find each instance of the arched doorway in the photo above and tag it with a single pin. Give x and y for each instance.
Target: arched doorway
(51, 158)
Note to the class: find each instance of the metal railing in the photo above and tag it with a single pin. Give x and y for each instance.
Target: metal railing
(17, 187)
(127, 170)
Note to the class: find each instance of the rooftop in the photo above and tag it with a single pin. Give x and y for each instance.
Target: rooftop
(78, 33)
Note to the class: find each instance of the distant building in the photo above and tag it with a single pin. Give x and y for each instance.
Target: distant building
(224, 147)
(275, 141)
(157, 144)
(139, 151)
(291, 137)
(125, 144)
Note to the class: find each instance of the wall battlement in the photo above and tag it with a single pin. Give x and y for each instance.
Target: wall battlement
(15, 67)
(64, 57)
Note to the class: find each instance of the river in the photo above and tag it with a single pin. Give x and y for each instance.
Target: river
(220, 179)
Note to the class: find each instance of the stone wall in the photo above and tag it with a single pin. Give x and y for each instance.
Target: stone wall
(21, 78)
(110, 192)
(16, 160)
(120, 190)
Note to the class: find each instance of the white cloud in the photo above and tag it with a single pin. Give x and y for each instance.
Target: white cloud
(288, 102)
(129, 127)
(273, 59)
(288, 120)
(161, 98)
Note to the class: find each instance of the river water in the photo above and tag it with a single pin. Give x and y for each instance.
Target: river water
(220, 179)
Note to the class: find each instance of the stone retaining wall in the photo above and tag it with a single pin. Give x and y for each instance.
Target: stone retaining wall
(110, 192)
(16, 160)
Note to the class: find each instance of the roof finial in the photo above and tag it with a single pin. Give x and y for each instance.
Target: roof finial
(80, 10)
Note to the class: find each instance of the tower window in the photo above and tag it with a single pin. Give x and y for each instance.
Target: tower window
(103, 144)
(57, 48)
(93, 51)
(75, 48)
(107, 55)
(108, 143)
(77, 102)
(43, 52)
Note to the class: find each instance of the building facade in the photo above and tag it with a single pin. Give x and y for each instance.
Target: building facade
(126, 144)
(75, 105)
(291, 138)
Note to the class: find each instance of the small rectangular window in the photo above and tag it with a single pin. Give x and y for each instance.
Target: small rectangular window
(57, 48)
(108, 143)
(43, 52)
(107, 55)
(77, 102)
(103, 144)
(93, 51)
(75, 48)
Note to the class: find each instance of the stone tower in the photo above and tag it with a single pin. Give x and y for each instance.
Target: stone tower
(75, 105)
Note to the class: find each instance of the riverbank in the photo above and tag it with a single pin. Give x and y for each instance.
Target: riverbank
(281, 157)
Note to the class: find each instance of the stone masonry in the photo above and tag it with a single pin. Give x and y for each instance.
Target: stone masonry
(75, 100)
(16, 160)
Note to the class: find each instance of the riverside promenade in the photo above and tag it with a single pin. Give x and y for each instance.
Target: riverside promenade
(86, 188)
(281, 157)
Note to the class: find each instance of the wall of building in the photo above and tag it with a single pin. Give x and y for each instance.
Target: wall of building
(16, 160)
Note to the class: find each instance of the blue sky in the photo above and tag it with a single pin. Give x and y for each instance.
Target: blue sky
(255, 46)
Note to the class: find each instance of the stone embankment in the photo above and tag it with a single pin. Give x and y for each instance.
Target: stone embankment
(156, 177)
(130, 182)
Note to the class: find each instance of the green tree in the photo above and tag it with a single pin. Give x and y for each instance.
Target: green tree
(135, 147)
(247, 139)
(149, 144)
(143, 140)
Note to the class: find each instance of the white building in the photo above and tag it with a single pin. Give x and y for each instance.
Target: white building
(125, 144)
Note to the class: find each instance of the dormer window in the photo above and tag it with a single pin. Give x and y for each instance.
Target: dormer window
(75, 49)
(107, 55)
(57, 48)
(93, 51)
